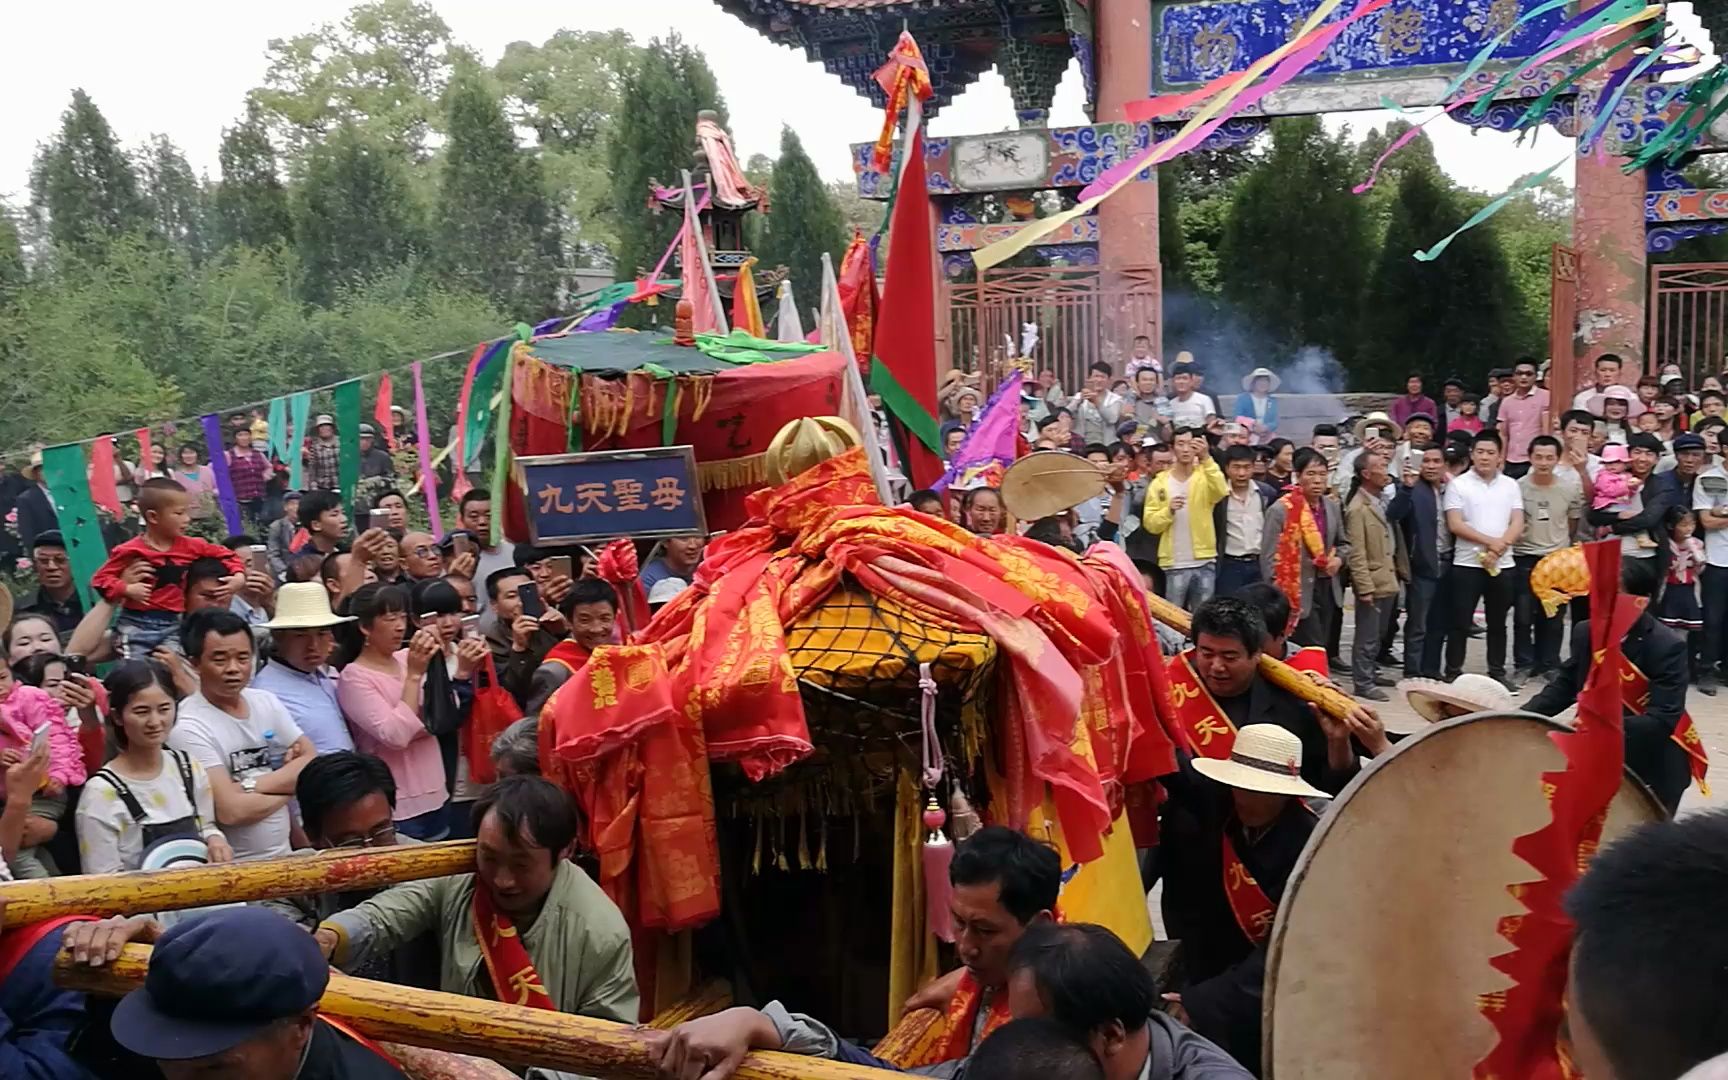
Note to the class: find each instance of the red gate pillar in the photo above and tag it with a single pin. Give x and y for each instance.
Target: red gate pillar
(1128, 220)
(1608, 233)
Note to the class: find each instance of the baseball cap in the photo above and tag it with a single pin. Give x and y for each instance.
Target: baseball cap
(321, 419)
(216, 981)
(366, 429)
(1688, 441)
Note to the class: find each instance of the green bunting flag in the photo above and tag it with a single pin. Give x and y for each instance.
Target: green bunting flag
(300, 410)
(277, 421)
(64, 472)
(501, 449)
(347, 397)
(486, 382)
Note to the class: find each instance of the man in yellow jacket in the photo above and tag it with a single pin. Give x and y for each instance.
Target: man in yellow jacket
(1179, 505)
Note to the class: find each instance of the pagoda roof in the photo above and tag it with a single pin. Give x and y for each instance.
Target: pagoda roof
(960, 39)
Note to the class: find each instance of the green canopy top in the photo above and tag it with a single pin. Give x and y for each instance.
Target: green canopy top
(623, 350)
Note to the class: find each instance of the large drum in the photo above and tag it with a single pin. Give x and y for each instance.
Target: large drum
(1382, 942)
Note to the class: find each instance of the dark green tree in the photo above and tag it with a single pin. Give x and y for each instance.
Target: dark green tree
(1296, 244)
(1448, 316)
(251, 205)
(12, 272)
(82, 187)
(355, 214)
(653, 141)
(178, 202)
(804, 221)
(1172, 247)
(494, 230)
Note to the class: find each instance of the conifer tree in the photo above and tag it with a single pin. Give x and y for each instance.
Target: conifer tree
(251, 205)
(803, 222)
(355, 215)
(177, 201)
(83, 189)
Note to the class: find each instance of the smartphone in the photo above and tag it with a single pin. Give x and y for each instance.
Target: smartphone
(260, 558)
(470, 624)
(559, 566)
(39, 737)
(378, 519)
(461, 545)
(532, 605)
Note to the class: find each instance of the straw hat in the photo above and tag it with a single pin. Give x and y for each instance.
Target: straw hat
(1435, 701)
(304, 605)
(1047, 482)
(321, 419)
(1378, 419)
(666, 589)
(1261, 373)
(1265, 758)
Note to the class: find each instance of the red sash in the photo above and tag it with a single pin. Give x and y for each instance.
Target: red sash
(514, 980)
(1202, 725)
(1254, 910)
(963, 1015)
(568, 653)
(1310, 658)
(1635, 693)
(342, 1026)
(19, 940)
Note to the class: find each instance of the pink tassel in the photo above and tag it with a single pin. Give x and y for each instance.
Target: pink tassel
(938, 891)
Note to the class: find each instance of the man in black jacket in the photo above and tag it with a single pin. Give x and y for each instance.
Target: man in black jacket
(1417, 510)
(1661, 654)
(1649, 505)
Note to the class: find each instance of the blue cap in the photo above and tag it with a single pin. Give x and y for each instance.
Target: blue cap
(216, 981)
(1686, 440)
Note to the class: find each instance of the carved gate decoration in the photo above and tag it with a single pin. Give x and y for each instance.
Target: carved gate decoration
(1068, 303)
(1688, 320)
(1562, 321)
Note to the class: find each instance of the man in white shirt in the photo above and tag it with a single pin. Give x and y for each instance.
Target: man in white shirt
(1240, 522)
(1189, 408)
(1607, 374)
(1097, 408)
(1577, 463)
(1710, 501)
(1485, 512)
(248, 744)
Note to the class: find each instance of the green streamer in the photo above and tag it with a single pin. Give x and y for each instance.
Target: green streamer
(299, 410)
(1540, 106)
(1481, 215)
(669, 415)
(280, 443)
(575, 441)
(347, 397)
(899, 401)
(479, 419)
(501, 452)
(68, 480)
(1487, 53)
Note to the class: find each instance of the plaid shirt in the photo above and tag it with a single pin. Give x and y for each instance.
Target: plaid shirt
(247, 472)
(324, 464)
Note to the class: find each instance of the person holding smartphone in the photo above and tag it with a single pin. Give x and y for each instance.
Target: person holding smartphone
(518, 633)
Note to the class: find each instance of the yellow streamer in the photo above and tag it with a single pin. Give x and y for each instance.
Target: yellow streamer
(1003, 250)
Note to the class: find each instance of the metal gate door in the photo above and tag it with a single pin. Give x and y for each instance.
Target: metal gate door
(1688, 318)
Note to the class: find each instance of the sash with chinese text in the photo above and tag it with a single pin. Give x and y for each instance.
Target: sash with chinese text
(1635, 692)
(1299, 539)
(1254, 910)
(514, 980)
(1200, 723)
(963, 1017)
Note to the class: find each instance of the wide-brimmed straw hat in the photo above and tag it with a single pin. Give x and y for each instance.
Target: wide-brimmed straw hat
(1261, 373)
(1435, 701)
(1265, 758)
(304, 605)
(1047, 482)
(1378, 419)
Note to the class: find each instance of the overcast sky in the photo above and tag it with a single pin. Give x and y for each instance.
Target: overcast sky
(182, 68)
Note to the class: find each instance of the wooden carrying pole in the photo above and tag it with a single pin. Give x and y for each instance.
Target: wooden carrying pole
(480, 1028)
(1277, 672)
(224, 883)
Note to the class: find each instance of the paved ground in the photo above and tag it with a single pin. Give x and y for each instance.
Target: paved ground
(1710, 714)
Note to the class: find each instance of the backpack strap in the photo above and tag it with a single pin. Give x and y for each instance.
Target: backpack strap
(133, 806)
(184, 763)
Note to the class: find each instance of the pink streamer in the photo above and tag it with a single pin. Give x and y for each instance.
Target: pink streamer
(1288, 68)
(423, 439)
(1405, 139)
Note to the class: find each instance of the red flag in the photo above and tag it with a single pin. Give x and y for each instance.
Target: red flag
(382, 413)
(699, 287)
(906, 332)
(104, 491)
(143, 437)
(858, 298)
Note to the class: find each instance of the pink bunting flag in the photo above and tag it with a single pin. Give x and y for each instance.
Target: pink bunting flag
(144, 447)
(423, 443)
(104, 491)
(381, 412)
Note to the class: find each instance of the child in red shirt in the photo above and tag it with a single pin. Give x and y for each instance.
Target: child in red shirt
(150, 610)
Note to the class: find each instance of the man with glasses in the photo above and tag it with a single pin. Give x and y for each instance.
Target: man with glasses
(1522, 416)
(347, 803)
(56, 598)
(421, 557)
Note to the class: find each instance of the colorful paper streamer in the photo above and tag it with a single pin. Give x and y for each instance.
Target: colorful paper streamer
(423, 443)
(347, 396)
(218, 451)
(63, 470)
(1491, 209)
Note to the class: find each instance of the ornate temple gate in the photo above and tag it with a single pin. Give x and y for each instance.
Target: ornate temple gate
(1071, 305)
(1688, 322)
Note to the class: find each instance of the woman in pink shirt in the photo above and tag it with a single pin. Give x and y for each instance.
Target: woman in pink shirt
(379, 692)
(198, 479)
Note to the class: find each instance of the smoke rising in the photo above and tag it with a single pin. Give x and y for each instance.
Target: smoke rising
(1230, 345)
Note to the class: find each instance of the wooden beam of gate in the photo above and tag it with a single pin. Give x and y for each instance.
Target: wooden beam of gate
(489, 1029)
(224, 883)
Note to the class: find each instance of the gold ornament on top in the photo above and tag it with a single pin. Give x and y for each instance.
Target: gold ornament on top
(807, 442)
